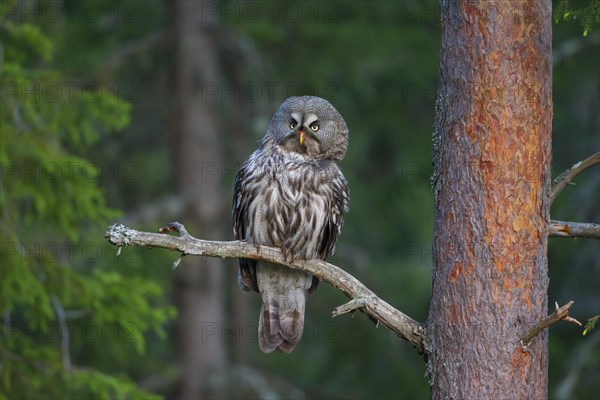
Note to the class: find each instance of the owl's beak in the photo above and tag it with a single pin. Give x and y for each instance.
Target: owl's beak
(301, 137)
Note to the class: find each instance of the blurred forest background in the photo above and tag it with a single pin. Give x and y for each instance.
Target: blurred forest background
(142, 112)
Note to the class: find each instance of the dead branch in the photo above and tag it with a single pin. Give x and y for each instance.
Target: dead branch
(361, 297)
(561, 313)
(350, 306)
(566, 177)
(574, 229)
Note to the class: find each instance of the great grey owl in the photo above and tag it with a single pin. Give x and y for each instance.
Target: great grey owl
(291, 194)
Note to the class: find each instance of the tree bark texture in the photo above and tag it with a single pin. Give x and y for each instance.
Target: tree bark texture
(492, 153)
(197, 156)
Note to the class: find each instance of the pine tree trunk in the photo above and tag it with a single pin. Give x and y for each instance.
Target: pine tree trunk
(197, 169)
(492, 153)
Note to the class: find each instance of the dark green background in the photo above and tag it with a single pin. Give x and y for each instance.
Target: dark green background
(377, 62)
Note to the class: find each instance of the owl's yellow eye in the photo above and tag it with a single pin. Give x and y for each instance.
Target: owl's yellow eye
(293, 124)
(314, 127)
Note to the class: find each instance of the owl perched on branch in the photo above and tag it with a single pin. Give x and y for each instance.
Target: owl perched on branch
(291, 194)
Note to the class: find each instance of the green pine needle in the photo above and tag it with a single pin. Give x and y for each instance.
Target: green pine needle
(590, 324)
(588, 17)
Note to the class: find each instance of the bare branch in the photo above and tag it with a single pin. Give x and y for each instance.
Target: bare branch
(561, 313)
(393, 319)
(350, 306)
(566, 177)
(574, 229)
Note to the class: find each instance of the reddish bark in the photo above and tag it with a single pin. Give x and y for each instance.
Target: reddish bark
(492, 179)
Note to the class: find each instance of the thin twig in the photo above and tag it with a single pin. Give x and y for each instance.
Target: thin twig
(561, 313)
(175, 227)
(574, 229)
(566, 177)
(393, 319)
(350, 306)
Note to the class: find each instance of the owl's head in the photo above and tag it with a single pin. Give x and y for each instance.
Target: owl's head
(310, 126)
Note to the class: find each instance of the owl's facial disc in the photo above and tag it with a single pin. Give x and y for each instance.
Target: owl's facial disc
(302, 137)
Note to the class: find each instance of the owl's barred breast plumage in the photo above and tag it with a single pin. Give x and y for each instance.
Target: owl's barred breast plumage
(291, 194)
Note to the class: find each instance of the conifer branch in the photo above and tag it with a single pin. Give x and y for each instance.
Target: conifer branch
(561, 313)
(382, 312)
(566, 177)
(574, 229)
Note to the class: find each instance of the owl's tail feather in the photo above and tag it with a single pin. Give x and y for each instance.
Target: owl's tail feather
(281, 321)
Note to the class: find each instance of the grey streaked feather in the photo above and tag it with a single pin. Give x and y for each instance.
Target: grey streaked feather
(293, 198)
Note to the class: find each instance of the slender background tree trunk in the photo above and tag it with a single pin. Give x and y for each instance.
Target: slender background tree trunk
(492, 155)
(197, 155)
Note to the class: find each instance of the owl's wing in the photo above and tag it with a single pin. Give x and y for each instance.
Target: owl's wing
(241, 199)
(338, 207)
